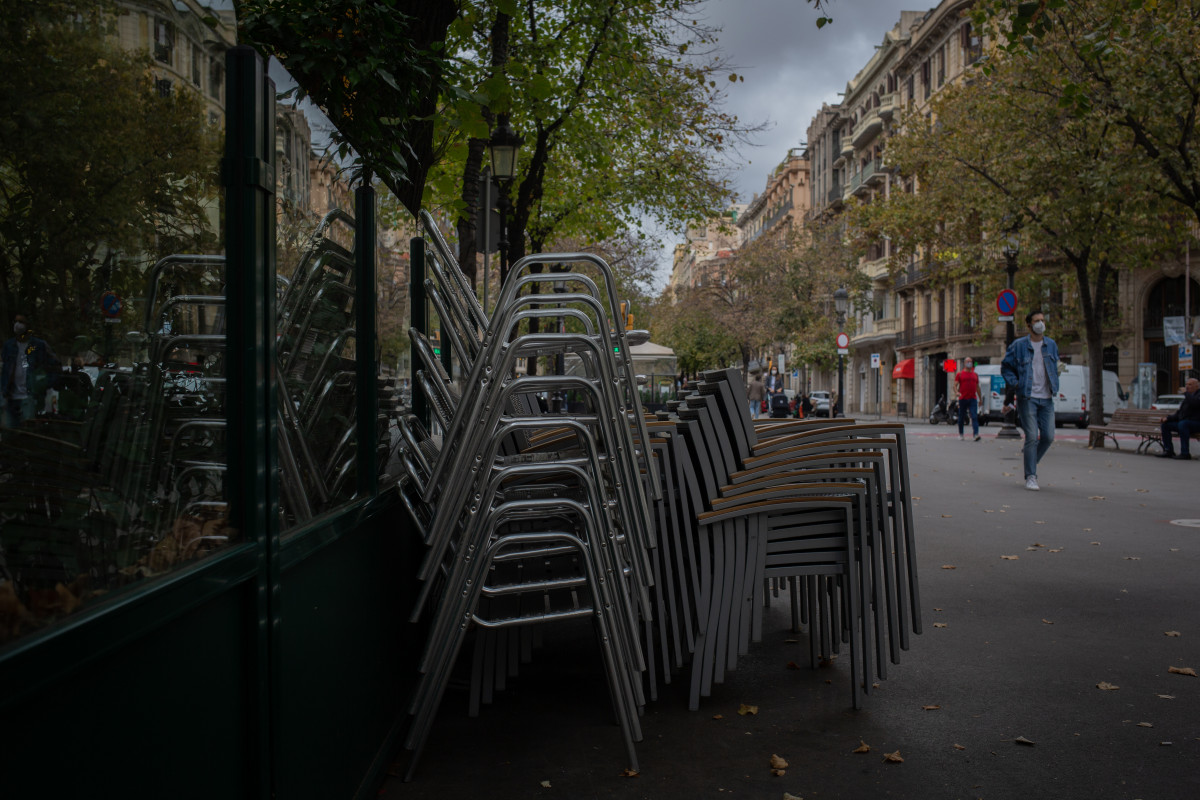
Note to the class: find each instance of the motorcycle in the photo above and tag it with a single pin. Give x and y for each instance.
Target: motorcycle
(942, 413)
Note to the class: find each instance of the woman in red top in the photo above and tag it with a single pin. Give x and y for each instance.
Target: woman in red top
(966, 383)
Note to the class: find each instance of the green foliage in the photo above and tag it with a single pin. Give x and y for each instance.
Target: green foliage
(375, 67)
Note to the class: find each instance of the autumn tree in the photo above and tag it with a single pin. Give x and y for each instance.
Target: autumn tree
(1008, 150)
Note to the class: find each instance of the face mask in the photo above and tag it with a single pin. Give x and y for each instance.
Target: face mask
(1039, 327)
(18, 328)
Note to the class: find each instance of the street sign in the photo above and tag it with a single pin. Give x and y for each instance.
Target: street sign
(1006, 302)
(1174, 330)
(110, 305)
(843, 351)
(1185, 356)
(843, 341)
(874, 360)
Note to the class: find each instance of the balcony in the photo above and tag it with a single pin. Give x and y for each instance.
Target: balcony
(889, 325)
(868, 128)
(874, 268)
(779, 214)
(913, 274)
(847, 149)
(925, 334)
(965, 328)
(834, 195)
(861, 183)
(888, 105)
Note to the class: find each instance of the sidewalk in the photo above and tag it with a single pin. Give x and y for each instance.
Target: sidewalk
(1013, 647)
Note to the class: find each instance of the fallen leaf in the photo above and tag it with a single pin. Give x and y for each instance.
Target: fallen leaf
(545, 784)
(1133, 558)
(1171, 633)
(793, 665)
(1166, 744)
(1055, 550)
(1039, 522)
(1007, 474)
(949, 566)
(779, 773)
(945, 516)
(1167, 696)
(787, 796)
(959, 747)
(863, 747)
(988, 511)
(930, 708)
(916, 498)
(893, 758)
(1048, 622)
(1106, 686)
(937, 609)
(745, 709)
(1010, 558)
(1032, 548)
(1088, 530)
(1182, 671)
(940, 625)
(1145, 724)
(718, 716)
(1143, 490)
(1095, 544)
(1096, 497)
(629, 773)
(1002, 511)
(1024, 741)
(1037, 544)
(777, 762)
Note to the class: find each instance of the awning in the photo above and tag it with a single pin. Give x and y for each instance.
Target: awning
(905, 369)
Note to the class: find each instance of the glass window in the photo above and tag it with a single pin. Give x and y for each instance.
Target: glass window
(112, 445)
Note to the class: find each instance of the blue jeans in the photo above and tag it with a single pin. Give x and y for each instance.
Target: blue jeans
(1037, 421)
(1186, 428)
(971, 406)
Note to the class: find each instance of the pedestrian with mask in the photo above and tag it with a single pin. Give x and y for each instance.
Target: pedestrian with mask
(774, 389)
(28, 367)
(1030, 367)
(970, 395)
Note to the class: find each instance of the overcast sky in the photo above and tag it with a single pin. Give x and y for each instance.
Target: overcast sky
(790, 67)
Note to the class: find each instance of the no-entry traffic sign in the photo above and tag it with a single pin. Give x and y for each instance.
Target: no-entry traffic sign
(1006, 302)
(843, 341)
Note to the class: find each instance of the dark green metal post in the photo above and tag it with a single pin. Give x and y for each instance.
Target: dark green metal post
(250, 294)
(419, 319)
(366, 339)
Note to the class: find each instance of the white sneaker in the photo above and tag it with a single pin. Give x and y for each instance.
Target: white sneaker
(961, 437)
(1031, 483)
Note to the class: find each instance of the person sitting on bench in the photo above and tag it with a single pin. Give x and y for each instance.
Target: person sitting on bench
(1185, 421)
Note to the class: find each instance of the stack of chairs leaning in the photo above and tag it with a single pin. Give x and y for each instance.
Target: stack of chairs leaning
(671, 531)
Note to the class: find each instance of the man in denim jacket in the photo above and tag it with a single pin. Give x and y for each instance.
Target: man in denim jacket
(1031, 367)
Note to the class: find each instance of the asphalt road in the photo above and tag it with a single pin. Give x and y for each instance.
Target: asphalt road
(1031, 601)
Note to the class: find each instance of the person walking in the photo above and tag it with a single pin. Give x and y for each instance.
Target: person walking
(970, 395)
(1185, 421)
(28, 367)
(1030, 368)
(806, 406)
(755, 394)
(774, 389)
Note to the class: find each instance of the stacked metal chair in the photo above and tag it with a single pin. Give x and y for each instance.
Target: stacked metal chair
(529, 518)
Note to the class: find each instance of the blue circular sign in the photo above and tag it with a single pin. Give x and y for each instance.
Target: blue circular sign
(1006, 302)
(110, 305)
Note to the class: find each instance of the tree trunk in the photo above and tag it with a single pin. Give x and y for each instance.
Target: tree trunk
(467, 252)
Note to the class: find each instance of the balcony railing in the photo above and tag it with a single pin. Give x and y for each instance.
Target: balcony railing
(914, 273)
(770, 221)
(965, 327)
(923, 334)
(888, 325)
(834, 195)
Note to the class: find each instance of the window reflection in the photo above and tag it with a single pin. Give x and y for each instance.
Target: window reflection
(112, 451)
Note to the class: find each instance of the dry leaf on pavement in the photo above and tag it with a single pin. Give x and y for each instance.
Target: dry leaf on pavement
(745, 709)
(893, 758)
(1133, 558)
(1182, 671)
(1048, 622)
(1096, 497)
(930, 708)
(1106, 686)
(863, 747)
(629, 773)
(787, 796)
(545, 784)
(1143, 490)
(949, 566)
(718, 716)
(1171, 633)
(777, 762)
(779, 773)
(793, 665)
(1055, 550)
(1145, 724)
(1167, 696)
(945, 516)
(940, 625)
(1024, 741)
(959, 747)
(1010, 558)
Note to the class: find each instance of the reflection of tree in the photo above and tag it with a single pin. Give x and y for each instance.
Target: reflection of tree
(99, 173)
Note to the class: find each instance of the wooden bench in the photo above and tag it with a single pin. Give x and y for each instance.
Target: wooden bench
(1142, 422)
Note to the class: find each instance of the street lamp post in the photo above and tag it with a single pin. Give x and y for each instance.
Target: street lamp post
(502, 149)
(1012, 249)
(841, 302)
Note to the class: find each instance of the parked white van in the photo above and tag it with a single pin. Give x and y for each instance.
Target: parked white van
(1071, 404)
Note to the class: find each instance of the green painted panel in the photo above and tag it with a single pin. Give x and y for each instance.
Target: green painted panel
(164, 716)
(347, 657)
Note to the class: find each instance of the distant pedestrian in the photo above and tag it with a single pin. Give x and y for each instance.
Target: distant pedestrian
(970, 395)
(755, 394)
(806, 405)
(1185, 421)
(29, 368)
(1030, 367)
(775, 397)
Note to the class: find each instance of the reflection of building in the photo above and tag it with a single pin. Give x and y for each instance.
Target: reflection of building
(186, 50)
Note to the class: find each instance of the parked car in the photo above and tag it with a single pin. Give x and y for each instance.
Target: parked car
(1167, 402)
(820, 401)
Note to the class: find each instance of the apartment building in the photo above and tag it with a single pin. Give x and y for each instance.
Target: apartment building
(782, 206)
(709, 246)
